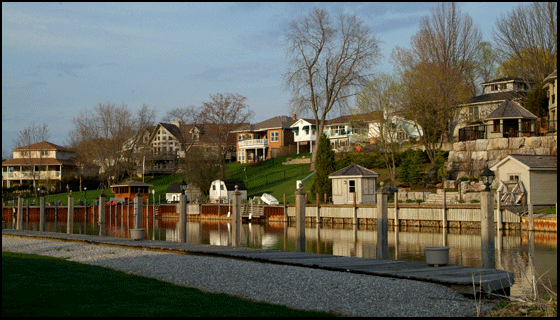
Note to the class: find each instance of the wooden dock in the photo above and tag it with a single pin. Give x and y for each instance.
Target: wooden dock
(459, 278)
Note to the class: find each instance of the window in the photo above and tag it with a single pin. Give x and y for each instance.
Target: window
(241, 156)
(496, 126)
(352, 186)
(44, 153)
(274, 136)
(241, 137)
(514, 177)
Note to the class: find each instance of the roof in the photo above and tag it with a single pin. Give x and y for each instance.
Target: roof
(176, 187)
(370, 116)
(550, 77)
(497, 96)
(354, 170)
(530, 162)
(43, 145)
(510, 110)
(231, 183)
(506, 79)
(132, 183)
(280, 122)
(38, 162)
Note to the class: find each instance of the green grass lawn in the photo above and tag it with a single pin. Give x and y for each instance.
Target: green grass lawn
(34, 285)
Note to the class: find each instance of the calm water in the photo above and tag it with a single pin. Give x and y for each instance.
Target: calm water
(521, 252)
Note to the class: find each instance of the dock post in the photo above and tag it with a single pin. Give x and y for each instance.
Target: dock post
(183, 218)
(318, 217)
(382, 231)
(285, 209)
(19, 221)
(444, 210)
(42, 217)
(236, 218)
(499, 211)
(354, 210)
(531, 217)
(138, 232)
(396, 223)
(70, 215)
(101, 223)
(487, 230)
(300, 219)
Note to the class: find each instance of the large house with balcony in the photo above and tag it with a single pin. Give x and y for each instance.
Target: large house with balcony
(551, 83)
(264, 140)
(494, 93)
(38, 164)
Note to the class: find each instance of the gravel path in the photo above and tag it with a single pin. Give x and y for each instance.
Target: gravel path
(296, 287)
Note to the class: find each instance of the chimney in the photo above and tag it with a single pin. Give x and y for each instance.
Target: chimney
(176, 123)
(294, 116)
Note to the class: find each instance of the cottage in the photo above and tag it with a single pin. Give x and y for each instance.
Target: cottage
(537, 173)
(351, 180)
(128, 190)
(222, 190)
(174, 191)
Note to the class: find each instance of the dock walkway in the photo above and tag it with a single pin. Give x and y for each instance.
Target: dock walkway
(458, 278)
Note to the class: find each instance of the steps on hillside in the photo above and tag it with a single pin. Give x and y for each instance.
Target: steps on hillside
(298, 161)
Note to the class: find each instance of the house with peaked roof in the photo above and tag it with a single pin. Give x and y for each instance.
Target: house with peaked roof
(510, 120)
(44, 163)
(354, 180)
(305, 134)
(537, 173)
(264, 140)
(351, 129)
(494, 93)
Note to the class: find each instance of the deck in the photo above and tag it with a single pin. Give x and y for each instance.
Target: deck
(458, 278)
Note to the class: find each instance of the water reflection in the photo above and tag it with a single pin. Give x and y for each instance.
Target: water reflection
(521, 252)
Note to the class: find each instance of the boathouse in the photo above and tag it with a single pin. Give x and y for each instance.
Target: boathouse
(538, 173)
(128, 190)
(174, 192)
(354, 180)
(221, 190)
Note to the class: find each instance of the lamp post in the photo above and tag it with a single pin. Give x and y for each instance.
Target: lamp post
(154, 214)
(487, 221)
(85, 208)
(487, 177)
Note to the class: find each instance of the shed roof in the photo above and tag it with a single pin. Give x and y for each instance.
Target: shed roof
(231, 183)
(531, 162)
(510, 110)
(354, 170)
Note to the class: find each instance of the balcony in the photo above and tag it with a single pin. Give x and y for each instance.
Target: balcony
(253, 143)
(29, 175)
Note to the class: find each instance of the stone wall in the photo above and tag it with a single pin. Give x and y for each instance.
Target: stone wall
(469, 158)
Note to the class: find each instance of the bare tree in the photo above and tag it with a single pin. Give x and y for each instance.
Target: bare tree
(27, 137)
(380, 96)
(329, 59)
(526, 39)
(434, 73)
(107, 135)
(224, 113)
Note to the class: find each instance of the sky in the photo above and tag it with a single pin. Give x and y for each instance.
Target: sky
(61, 58)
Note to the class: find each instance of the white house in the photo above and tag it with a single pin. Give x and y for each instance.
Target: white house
(354, 179)
(222, 190)
(537, 173)
(304, 131)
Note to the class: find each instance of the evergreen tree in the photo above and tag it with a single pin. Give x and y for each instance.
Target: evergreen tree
(325, 165)
(411, 171)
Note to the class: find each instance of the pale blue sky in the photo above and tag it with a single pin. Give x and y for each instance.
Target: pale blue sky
(59, 58)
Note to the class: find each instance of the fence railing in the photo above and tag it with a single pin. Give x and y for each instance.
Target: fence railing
(489, 131)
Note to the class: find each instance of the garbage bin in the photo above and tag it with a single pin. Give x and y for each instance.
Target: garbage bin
(437, 256)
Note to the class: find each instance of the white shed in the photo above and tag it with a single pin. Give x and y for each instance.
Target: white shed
(222, 190)
(351, 180)
(537, 173)
(174, 192)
